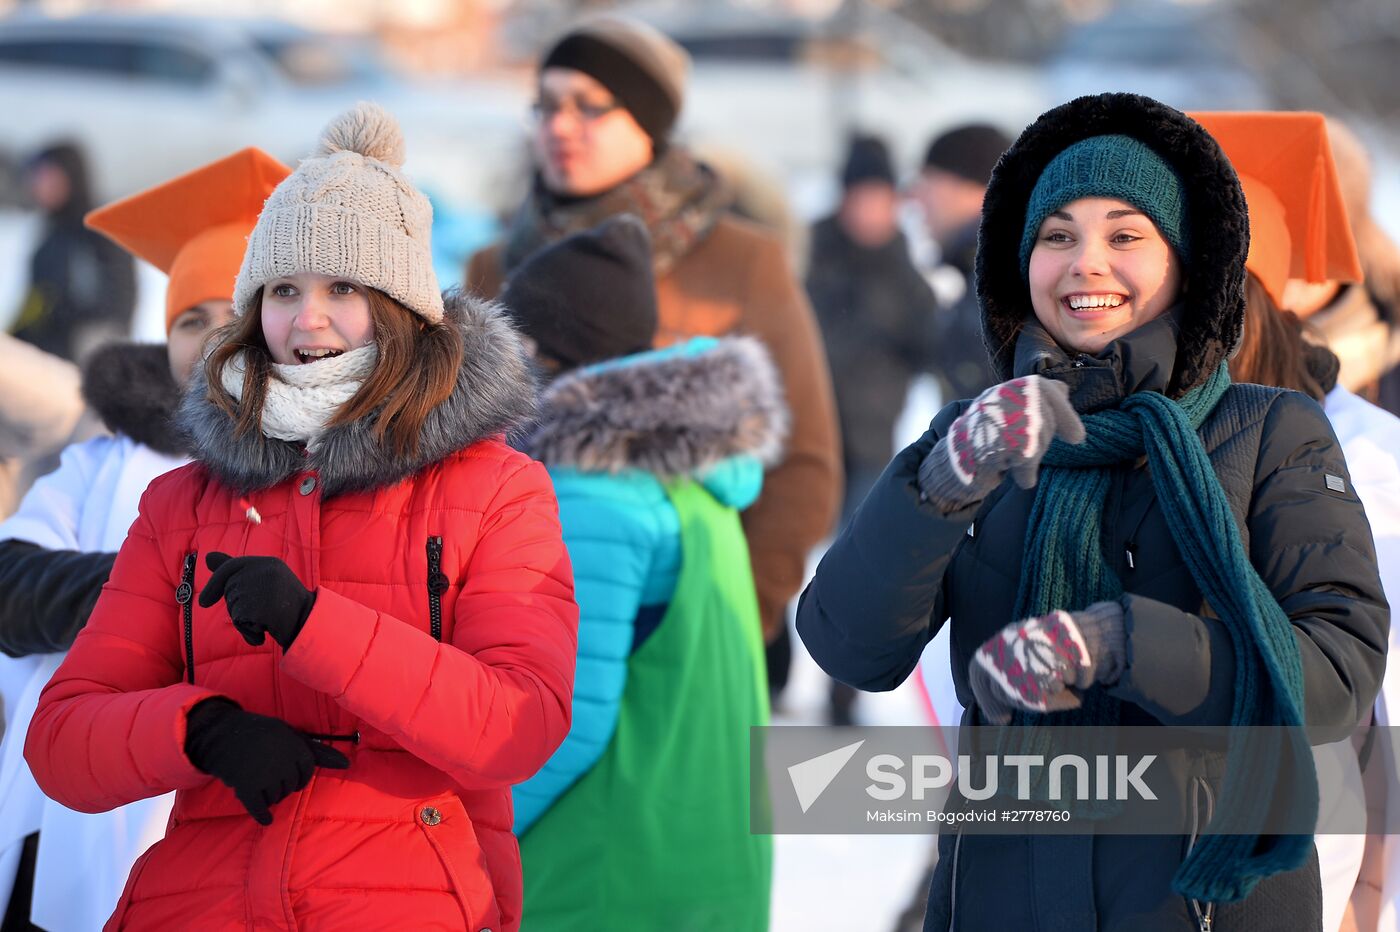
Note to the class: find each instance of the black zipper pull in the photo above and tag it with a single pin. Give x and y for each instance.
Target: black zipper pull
(184, 594)
(1130, 549)
(437, 585)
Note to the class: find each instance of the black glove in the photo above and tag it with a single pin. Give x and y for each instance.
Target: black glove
(263, 595)
(262, 759)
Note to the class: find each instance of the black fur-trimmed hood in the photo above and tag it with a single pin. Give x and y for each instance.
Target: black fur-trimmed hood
(1214, 277)
(130, 387)
(672, 412)
(495, 392)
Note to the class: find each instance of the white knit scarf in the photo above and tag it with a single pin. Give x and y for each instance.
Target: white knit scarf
(302, 398)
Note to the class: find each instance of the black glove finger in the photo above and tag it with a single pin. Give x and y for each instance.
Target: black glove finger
(327, 756)
(256, 805)
(223, 566)
(253, 632)
(306, 766)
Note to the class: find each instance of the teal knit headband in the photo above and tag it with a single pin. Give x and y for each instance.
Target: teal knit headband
(1109, 166)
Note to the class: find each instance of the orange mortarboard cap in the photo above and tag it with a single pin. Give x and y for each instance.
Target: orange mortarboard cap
(195, 227)
(1298, 226)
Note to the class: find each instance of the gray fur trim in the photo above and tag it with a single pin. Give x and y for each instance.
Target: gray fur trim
(669, 416)
(495, 392)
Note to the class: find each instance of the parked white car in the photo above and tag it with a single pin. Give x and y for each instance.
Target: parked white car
(150, 96)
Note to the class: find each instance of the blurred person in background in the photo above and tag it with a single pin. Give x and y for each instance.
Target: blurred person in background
(875, 310)
(40, 408)
(1299, 232)
(1360, 320)
(957, 168)
(57, 550)
(82, 288)
(758, 197)
(653, 455)
(610, 90)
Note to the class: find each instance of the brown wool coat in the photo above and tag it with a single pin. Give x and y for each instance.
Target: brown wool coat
(738, 280)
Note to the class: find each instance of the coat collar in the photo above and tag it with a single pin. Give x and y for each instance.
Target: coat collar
(130, 387)
(673, 412)
(494, 393)
(1140, 361)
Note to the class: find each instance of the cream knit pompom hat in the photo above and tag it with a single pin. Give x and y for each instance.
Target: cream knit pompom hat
(348, 212)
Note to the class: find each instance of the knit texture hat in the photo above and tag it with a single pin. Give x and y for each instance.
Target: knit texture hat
(348, 212)
(590, 296)
(970, 152)
(1110, 166)
(643, 69)
(195, 227)
(867, 159)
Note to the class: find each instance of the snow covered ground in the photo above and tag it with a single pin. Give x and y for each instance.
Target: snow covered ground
(851, 882)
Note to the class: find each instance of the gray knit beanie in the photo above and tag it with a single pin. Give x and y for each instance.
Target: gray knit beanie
(348, 212)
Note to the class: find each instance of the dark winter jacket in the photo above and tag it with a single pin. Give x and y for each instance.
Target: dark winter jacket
(47, 595)
(82, 291)
(955, 337)
(889, 581)
(874, 308)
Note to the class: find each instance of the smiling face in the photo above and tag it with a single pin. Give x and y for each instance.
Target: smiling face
(309, 317)
(1100, 269)
(585, 142)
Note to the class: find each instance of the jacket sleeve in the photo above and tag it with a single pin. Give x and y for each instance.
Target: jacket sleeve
(39, 400)
(490, 707)
(46, 596)
(611, 550)
(802, 494)
(47, 589)
(1312, 546)
(878, 594)
(110, 726)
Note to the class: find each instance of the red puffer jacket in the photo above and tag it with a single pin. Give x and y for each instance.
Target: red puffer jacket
(442, 696)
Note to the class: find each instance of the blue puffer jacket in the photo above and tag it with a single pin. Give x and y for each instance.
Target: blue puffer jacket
(611, 436)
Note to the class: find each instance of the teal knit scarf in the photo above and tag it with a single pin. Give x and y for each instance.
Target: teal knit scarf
(1064, 567)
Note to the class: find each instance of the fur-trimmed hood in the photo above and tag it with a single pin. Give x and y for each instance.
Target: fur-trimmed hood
(1213, 294)
(131, 388)
(494, 393)
(672, 412)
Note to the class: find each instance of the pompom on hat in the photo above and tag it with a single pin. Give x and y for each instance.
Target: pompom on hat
(348, 212)
(194, 228)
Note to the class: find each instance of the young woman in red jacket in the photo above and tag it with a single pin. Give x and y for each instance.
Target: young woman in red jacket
(348, 627)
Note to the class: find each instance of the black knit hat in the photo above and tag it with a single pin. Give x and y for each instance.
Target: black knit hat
(970, 152)
(590, 296)
(867, 159)
(642, 67)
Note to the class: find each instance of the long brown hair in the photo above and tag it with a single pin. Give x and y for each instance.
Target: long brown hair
(1273, 349)
(417, 371)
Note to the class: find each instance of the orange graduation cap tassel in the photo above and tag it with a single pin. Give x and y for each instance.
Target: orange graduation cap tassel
(195, 227)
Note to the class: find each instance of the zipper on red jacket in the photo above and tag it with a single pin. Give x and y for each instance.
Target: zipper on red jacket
(437, 585)
(184, 594)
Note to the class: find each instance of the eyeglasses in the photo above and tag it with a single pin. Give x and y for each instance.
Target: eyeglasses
(545, 109)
